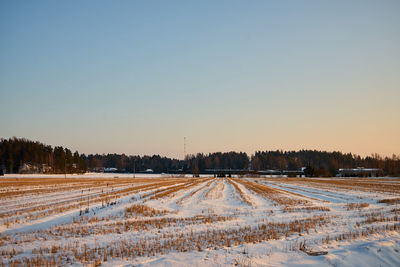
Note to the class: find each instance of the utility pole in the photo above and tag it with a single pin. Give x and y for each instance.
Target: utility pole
(184, 155)
(134, 167)
(65, 165)
(184, 148)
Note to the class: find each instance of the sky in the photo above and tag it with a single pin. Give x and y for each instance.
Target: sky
(136, 77)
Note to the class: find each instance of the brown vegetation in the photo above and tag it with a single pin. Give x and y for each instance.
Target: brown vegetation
(390, 201)
(353, 206)
(275, 195)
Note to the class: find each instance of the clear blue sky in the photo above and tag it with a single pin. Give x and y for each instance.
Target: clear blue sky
(135, 77)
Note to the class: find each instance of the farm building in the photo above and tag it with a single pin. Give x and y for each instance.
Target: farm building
(360, 172)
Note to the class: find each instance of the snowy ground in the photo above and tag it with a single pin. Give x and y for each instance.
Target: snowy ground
(100, 175)
(115, 220)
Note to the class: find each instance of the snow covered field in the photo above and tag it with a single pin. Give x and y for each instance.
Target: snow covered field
(115, 220)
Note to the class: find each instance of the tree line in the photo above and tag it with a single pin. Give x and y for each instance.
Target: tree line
(21, 155)
(324, 163)
(18, 155)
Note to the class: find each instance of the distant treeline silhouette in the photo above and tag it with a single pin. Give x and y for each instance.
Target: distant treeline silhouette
(19, 155)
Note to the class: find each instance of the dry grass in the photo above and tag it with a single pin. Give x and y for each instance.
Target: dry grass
(361, 233)
(139, 230)
(308, 209)
(390, 201)
(104, 195)
(364, 184)
(275, 195)
(165, 192)
(358, 206)
(178, 241)
(144, 210)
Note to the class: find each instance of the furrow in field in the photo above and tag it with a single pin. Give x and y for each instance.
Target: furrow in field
(193, 192)
(80, 203)
(366, 185)
(276, 196)
(215, 192)
(291, 202)
(319, 195)
(241, 193)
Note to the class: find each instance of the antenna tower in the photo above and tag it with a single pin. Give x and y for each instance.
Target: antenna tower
(184, 148)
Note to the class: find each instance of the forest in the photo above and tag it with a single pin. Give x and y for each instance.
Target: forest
(19, 155)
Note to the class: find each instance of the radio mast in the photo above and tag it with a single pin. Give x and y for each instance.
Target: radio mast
(184, 148)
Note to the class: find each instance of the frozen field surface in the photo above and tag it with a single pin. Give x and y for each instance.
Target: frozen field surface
(160, 220)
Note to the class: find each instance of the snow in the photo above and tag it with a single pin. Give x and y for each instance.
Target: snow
(36, 216)
(99, 175)
(376, 251)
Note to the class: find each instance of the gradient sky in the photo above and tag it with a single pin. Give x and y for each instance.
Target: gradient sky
(135, 77)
